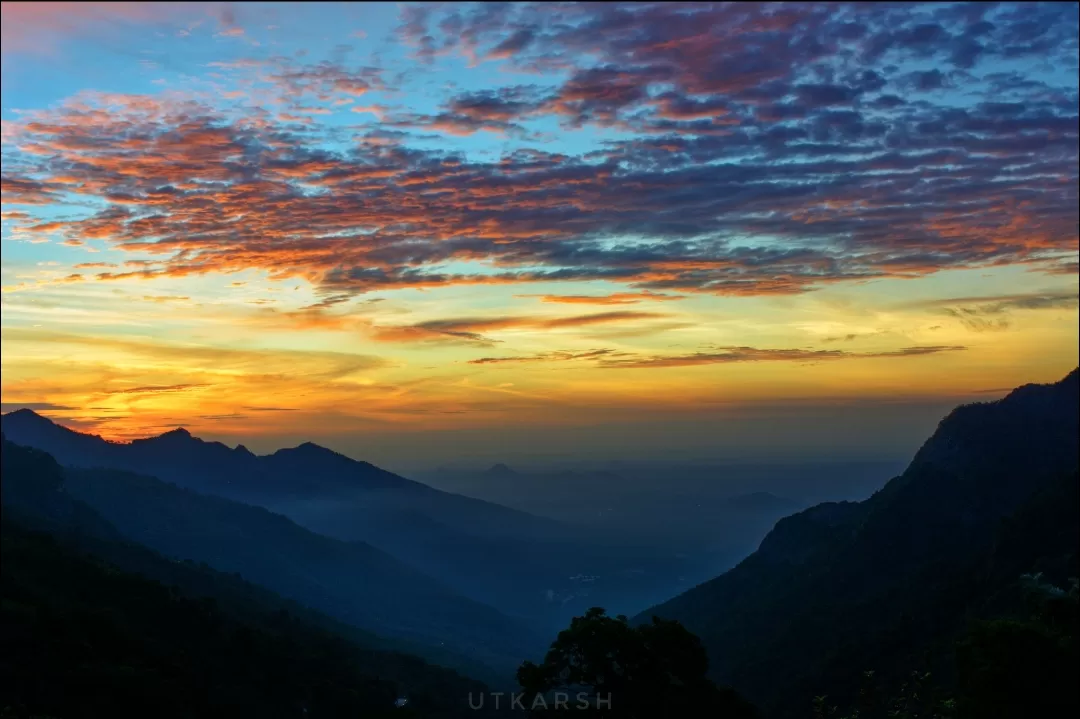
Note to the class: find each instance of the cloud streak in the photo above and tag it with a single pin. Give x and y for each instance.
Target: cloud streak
(729, 355)
(992, 313)
(615, 298)
(557, 356)
(157, 389)
(470, 330)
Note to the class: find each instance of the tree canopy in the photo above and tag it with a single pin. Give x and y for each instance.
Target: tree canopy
(651, 671)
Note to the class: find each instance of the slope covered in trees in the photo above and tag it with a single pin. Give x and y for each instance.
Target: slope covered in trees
(891, 583)
(494, 555)
(84, 639)
(37, 494)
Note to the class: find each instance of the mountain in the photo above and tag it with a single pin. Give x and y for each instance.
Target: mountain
(351, 581)
(458, 540)
(296, 474)
(521, 564)
(93, 625)
(500, 471)
(670, 512)
(886, 583)
(693, 529)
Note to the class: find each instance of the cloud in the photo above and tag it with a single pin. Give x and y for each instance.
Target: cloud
(36, 406)
(595, 319)
(1063, 268)
(512, 45)
(155, 389)
(728, 355)
(470, 330)
(1004, 303)
(616, 298)
(991, 313)
(221, 362)
(25, 191)
(557, 356)
(756, 149)
(971, 319)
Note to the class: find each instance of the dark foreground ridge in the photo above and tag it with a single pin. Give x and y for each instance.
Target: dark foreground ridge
(96, 626)
(350, 581)
(887, 584)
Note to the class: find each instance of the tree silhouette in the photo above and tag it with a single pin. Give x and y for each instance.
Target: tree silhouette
(651, 671)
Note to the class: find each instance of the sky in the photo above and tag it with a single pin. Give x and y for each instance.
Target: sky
(436, 232)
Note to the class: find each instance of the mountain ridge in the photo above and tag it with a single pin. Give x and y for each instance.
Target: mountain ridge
(305, 471)
(63, 623)
(501, 557)
(832, 590)
(351, 581)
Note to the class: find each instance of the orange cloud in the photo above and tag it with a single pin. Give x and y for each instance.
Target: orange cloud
(154, 389)
(470, 329)
(617, 298)
(201, 190)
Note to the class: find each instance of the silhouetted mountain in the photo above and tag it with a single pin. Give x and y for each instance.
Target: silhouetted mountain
(695, 528)
(885, 583)
(500, 471)
(306, 471)
(93, 625)
(514, 561)
(441, 533)
(351, 581)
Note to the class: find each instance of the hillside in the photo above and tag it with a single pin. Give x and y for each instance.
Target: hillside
(886, 583)
(289, 475)
(94, 625)
(350, 581)
(505, 558)
(85, 639)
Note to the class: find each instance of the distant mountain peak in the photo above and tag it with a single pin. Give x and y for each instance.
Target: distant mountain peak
(312, 448)
(760, 495)
(179, 435)
(501, 470)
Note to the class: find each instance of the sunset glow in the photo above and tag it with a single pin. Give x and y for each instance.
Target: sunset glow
(370, 223)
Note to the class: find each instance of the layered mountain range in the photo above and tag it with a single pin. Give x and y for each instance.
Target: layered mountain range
(517, 562)
(886, 585)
